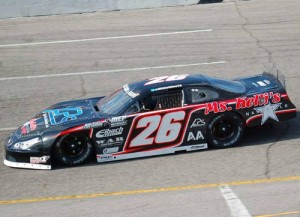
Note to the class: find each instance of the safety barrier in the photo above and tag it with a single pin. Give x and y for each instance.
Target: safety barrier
(28, 8)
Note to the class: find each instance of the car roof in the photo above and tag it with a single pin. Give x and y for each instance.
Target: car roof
(147, 86)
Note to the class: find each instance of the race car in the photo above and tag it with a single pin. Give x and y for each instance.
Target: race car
(157, 116)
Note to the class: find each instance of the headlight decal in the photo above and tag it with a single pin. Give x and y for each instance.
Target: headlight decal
(26, 145)
(9, 140)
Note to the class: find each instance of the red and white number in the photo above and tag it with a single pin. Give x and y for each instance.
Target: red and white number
(159, 129)
(150, 124)
(165, 79)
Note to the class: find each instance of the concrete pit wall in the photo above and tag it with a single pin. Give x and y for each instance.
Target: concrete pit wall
(29, 8)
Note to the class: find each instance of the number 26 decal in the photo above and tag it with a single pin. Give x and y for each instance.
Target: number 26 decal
(158, 129)
(165, 79)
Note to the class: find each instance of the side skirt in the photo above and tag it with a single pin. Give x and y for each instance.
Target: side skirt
(112, 157)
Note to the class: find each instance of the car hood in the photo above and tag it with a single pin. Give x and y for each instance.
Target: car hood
(61, 116)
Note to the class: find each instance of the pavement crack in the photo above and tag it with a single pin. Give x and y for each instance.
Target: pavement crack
(268, 151)
(82, 83)
(134, 208)
(251, 35)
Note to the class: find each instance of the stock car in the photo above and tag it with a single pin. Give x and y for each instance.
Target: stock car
(161, 115)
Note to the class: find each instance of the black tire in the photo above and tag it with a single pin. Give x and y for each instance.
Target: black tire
(225, 130)
(73, 149)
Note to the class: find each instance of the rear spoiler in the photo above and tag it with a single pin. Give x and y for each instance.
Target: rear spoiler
(274, 72)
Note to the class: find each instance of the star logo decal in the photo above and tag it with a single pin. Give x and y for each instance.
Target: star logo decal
(268, 111)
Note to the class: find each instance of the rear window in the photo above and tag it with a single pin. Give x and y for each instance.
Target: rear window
(201, 94)
(226, 85)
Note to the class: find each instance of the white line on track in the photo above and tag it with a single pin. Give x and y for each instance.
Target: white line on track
(109, 71)
(8, 129)
(236, 206)
(105, 38)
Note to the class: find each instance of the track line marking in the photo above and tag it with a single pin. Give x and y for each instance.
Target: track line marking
(110, 71)
(236, 206)
(279, 214)
(105, 38)
(8, 129)
(145, 191)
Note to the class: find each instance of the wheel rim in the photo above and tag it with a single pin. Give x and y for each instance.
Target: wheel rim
(73, 146)
(223, 129)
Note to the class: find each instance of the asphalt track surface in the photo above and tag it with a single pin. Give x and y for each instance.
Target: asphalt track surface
(93, 54)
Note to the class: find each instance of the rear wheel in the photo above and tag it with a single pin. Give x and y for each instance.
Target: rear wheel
(73, 149)
(225, 130)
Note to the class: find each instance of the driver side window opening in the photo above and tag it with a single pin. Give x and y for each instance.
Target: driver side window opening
(135, 108)
(168, 100)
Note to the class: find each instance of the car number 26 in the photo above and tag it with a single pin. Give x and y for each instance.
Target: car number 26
(158, 129)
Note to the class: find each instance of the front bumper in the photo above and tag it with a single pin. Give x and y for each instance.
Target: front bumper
(26, 165)
(27, 160)
(30, 159)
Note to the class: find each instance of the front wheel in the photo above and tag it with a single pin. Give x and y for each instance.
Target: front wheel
(225, 130)
(73, 149)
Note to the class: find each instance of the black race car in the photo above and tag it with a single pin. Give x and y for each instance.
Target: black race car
(157, 116)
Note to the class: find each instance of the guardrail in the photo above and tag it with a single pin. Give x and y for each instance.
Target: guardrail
(29, 8)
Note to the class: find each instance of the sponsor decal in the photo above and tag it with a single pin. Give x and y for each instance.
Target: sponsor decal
(60, 116)
(196, 147)
(9, 142)
(94, 125)
(110, 150)
(198, 122)
(251, 113)
(24, 130)
(109, 132)
(117, 121)
(32, 124)
(39, 160)
(37, 133)
(268, 111)
(194, 137)
(46, 120)
(106, 157)
(28, 127)
(129, 92)
(243, 102)
(110, 142)
(166, 88)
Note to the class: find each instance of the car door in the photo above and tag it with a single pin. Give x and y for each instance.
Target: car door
(196, 98)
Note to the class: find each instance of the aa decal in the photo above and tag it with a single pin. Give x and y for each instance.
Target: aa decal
(195, 136)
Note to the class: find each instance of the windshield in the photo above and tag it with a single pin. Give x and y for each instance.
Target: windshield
(116, 103)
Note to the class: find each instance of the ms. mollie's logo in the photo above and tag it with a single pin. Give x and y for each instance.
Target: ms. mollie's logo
(243, 102)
